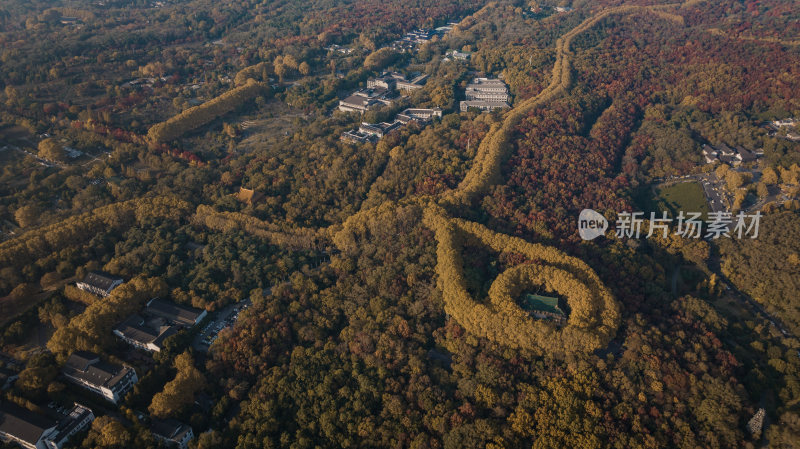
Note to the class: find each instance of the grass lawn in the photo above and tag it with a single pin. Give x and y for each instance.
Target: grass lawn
(685, 196)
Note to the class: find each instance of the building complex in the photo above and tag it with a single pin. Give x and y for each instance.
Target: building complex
(727, 155)
(372, 132)
(36, 431)
(485, 94)
(158, 321)
(108, 380)
(100, 284)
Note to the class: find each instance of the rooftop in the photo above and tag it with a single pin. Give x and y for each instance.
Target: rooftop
(72, 422)
(249, 196)
(186, 316)
(358, 100)
(169, 429)
(486, 82)
(88, 367)
(540, 303)
(23, 423)
(145, 332)
(100, 280)
(483, 104)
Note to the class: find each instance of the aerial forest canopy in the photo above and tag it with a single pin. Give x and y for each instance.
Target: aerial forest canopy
(198, 116)
(349, 251)
(594, 313)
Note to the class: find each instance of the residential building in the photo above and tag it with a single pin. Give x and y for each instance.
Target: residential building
(378, 129)
(420, 35)
(404, 46)
(486, 89)
(710, 154)
(174, 313)
(386, 81)
(483, 105)
(784, 122)
(458, 55)
(145, 333)
(372, 132)
(357, 103)
(418, 115)
(409, 86)
(485, 94)
(356, 136)
(34, 431)
(339, 48)
(172, 432)
(108, 380)
(390, 81)
(78, 419)
(727, 155)
(725, 150)
(745, 155)
(366, 99)
(409, 42)
(24, 427)
(99, 283)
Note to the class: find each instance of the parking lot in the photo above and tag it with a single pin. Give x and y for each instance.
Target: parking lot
(221, 319)
(713, 190)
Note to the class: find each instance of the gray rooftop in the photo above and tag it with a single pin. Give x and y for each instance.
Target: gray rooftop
(23, 423)
(170, 429)
(175, 313)
(87, 366)
(102, 281)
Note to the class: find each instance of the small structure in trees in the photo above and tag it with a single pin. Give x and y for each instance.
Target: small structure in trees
(544, 307)
(172, 432)
(249, 196)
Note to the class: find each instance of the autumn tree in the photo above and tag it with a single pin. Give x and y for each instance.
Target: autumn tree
(39, 373)
(51, 150)
(179, 392)
(281, 70)
(107, 432)
(304, 68)
(379, 59)
(27, 215)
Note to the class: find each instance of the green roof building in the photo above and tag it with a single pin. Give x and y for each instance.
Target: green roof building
(539, 303)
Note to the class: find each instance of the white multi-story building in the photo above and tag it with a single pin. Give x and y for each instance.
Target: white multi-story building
(110, 381)
(486, 89)
(34, 431)
(485, 94)
(100, 284)
(366, 99)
